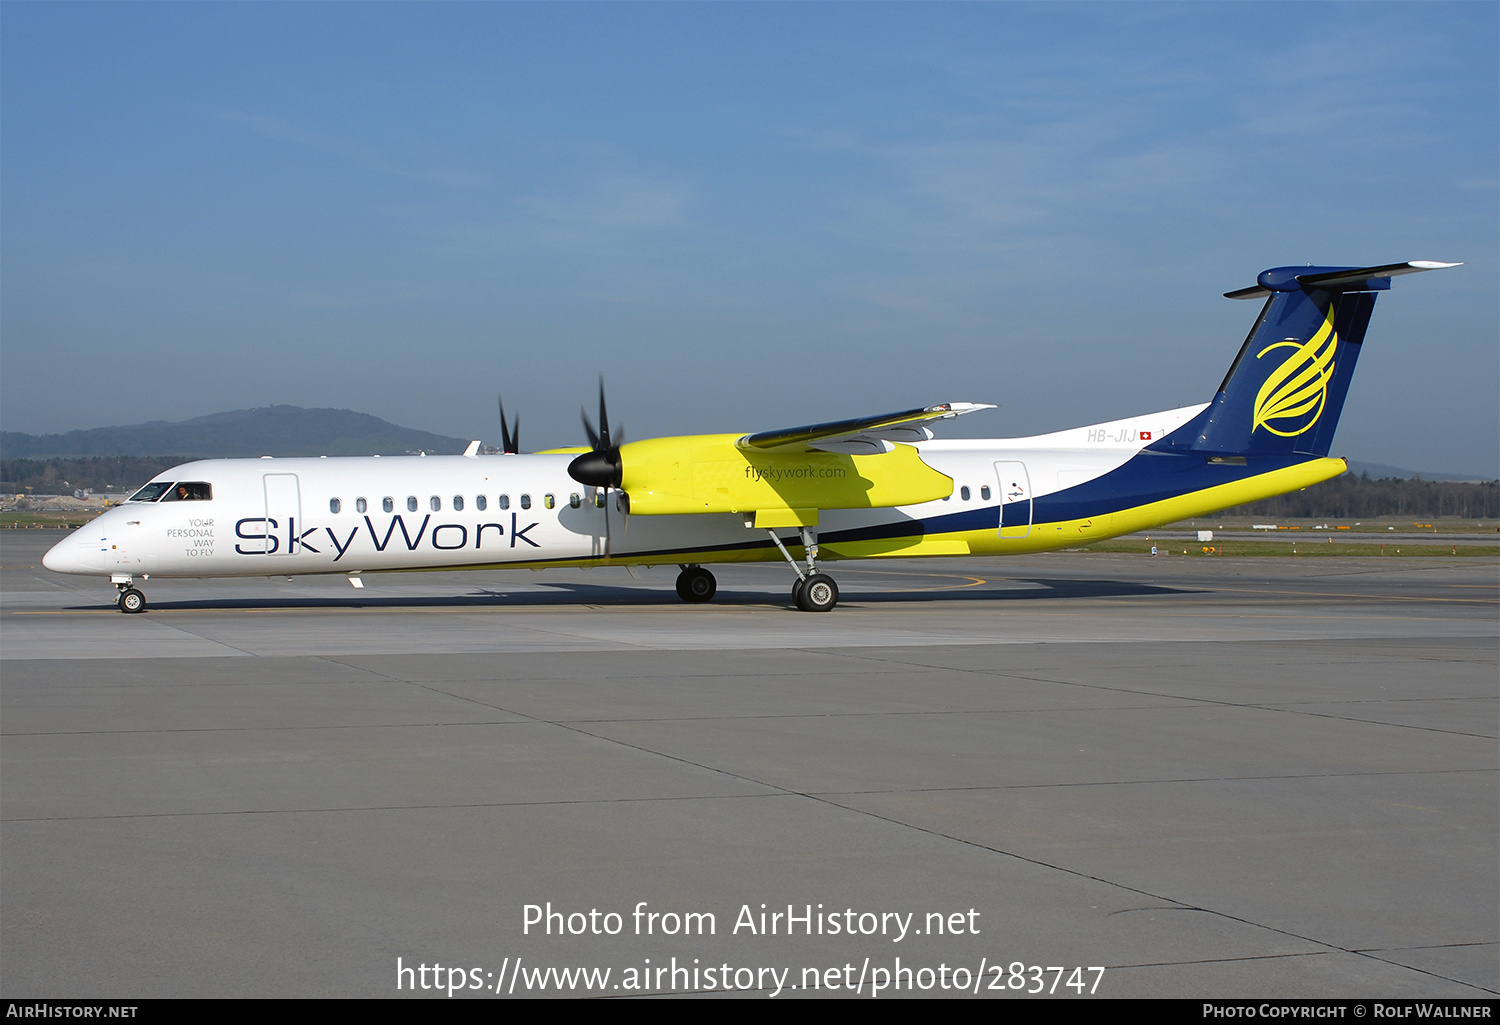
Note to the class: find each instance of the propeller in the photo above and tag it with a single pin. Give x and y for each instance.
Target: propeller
(600, 467)
(510, 437)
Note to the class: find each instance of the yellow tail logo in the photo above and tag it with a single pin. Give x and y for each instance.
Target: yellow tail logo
(1300, 384)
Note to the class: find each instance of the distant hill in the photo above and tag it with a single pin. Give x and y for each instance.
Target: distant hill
(267, 431)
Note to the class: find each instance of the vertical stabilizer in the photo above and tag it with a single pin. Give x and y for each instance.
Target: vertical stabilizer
(1284, 393)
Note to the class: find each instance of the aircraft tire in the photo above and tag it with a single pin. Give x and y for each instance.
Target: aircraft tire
(797, 591)
(132, 601)
(696, 585)
(819, 593)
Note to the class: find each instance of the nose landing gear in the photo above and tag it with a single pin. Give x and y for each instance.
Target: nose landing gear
(130, 600)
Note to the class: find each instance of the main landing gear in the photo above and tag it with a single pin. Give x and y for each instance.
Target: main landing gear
(130, 600)
(696, 584)
(814, 591)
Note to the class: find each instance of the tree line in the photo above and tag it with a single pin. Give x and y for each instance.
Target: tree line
(1351, 498)
(62, 476)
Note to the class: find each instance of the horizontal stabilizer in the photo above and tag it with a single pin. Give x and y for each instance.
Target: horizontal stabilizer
(1332, 279)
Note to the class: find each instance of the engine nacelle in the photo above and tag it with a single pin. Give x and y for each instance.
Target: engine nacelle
(709, 473)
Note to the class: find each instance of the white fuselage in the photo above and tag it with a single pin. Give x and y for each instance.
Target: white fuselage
(280, 517)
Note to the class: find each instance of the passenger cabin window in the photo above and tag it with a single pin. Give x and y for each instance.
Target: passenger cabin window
(963, 493)
(458, 503)
(481, 503)
(360, 505)
(411, 503)
(334, 505)
(435, 503)
(189, 491)
(984, 492)
(388, 504)
(525, 501)
(151, 492)
(599, 499)
(548, 501)
(505, 501)
(574, 500)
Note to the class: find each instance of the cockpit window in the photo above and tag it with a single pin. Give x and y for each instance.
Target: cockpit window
(151, 492)
(189, 491)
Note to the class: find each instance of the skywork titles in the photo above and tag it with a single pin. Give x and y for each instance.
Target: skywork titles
(268, 539)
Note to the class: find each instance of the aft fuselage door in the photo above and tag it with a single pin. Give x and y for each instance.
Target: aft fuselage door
(283, 512)
(1015, 498)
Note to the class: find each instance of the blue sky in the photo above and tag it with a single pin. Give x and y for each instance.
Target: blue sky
(745, 216)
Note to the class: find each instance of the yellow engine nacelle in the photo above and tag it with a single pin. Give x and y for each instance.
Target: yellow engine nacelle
(708, 473)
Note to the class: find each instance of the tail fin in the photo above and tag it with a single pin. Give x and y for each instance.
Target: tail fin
(1286, 388)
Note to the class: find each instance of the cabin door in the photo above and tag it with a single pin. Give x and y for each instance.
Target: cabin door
(1015, 499)
(283, 512)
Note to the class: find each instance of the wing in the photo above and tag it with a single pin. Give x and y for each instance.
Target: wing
(861, 436)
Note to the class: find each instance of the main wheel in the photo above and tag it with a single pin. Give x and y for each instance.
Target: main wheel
(132, 600)
(696, 584)
(819, 593)
(797, 591)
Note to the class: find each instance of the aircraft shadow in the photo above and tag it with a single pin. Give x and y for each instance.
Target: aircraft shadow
(565, 593)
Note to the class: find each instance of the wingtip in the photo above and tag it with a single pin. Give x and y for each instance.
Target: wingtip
(959, 408)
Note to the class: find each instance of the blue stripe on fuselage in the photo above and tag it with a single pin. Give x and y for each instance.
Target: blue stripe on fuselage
(1149, 476)
(1152, 476)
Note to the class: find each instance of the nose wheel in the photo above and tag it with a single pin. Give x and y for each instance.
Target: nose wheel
(131, 600)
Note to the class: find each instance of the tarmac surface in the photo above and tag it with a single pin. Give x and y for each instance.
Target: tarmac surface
(1224, 777)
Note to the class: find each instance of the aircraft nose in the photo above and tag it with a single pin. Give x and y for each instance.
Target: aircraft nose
(63, 556)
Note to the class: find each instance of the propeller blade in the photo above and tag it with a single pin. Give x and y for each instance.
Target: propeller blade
(608, 540)
(602, 439)
(510, 437)
(603, 416)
